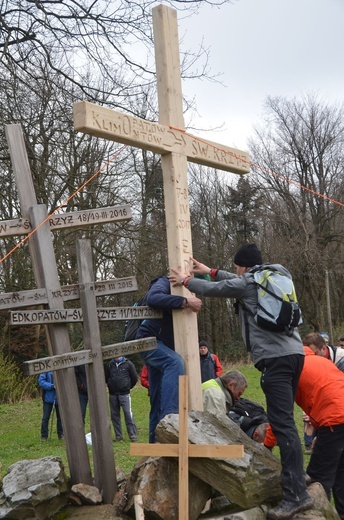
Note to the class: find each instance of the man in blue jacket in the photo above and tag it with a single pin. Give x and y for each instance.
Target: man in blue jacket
(46, 382)
(164, 364)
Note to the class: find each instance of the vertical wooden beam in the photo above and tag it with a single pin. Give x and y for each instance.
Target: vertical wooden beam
(103, 457)
(67, 392)
(176, 195)
(183, 449)
(77, 453)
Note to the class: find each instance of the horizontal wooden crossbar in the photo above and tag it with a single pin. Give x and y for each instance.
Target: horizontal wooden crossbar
(218, 451)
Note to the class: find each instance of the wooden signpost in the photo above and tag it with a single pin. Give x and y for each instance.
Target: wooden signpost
(176, 147)
(76, 315)
(22, 226)
(49, 289)
(67, 293)
(84, 357)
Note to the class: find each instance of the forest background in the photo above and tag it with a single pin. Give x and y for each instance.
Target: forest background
(54, 54)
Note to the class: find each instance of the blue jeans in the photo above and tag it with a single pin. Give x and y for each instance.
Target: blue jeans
(279, 383)
(47, 409)
(164, 368)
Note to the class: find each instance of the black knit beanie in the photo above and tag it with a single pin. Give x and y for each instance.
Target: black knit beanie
(248, 256)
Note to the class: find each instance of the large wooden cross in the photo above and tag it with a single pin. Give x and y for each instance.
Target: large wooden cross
(168, 138)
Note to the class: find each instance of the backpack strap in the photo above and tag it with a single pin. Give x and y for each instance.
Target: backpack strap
(247, 329)
(334, 350)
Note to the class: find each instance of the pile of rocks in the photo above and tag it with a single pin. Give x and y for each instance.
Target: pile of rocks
(240, 489)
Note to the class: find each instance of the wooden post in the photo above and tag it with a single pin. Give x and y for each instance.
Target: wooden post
(103, 458)
(174, 168)
(67, 392)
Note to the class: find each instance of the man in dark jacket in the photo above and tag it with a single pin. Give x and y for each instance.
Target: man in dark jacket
(210, 363)
(278, 356)
(164, 364)
(121, 377)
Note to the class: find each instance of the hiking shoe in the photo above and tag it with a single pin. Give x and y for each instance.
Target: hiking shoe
(286, 509)
(44, 438)
(61, 437)
(308, 450)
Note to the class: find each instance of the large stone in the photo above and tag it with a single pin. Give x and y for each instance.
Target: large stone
(89, 495)
(247, 482)
(156, 480)
(34, 489)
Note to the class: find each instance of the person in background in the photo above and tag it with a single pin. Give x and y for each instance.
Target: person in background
(163, 363)
(144, 378)
(278, 356)
(321, 347)
(320, 394)
(46, 382)
(210, 363)
(220, 394)
(340, 342)
(121, 377)
(319, 344)
(81, 383)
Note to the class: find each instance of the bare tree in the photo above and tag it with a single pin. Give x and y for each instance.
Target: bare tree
(104, 36)
(299, 161)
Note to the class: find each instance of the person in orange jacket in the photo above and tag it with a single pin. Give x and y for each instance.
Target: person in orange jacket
(320, 394)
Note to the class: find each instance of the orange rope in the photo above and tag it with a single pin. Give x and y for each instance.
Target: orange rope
(270, 172)
(62, 204)
(251, 164)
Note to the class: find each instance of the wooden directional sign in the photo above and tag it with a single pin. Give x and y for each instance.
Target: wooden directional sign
(123, 128)
(83, 357)
(75, 315)
(88, 217)
(31, 297)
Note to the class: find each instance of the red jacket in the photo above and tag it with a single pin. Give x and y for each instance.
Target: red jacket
(144, 377)
(218, 366)
(320, 391)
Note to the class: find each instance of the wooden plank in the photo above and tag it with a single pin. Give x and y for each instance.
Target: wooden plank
(139, 511)
(128, 347)
(154, 450)
(83, 357)
(76, 315)
(183, 452)
(52, 363)
(59, 342)
(33, 297)
(159, 138)
(213, 451)
(177, 207)
(71, 220)
(217, 451)
(102, 450)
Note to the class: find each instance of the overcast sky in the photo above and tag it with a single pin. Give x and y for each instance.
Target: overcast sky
(264, 47)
